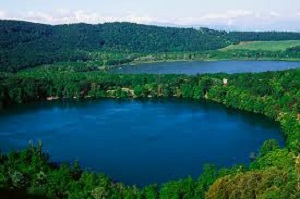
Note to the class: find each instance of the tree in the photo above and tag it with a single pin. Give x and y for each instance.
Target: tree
(268, 146)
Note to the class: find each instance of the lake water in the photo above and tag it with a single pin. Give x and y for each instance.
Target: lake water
(139, 142)
(201, 67)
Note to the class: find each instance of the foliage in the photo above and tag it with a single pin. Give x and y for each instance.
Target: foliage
(270, 183)
(269, 145)
(273, 174)
(53, 181)
(90, 47)
(26, 44)
(263, 36)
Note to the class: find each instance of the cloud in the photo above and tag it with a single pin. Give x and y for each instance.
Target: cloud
(226, 18)
(228, 15)
(274, 14)
(63, 16)
(2, 14)
(233, 18)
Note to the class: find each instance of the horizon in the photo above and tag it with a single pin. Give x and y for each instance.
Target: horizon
(157, 25)
(231, 15)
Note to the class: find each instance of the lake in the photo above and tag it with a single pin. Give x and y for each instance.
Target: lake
(201, 67)
(139, 141)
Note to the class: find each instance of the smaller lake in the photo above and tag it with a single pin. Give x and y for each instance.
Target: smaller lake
(201, 67)
(139, 141)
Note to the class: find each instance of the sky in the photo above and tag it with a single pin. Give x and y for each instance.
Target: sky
(221, 14)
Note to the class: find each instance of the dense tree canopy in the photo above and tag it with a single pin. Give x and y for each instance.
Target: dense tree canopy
(263, 36)
(24, 44)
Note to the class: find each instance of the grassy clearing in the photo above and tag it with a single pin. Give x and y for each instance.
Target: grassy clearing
(264, 45)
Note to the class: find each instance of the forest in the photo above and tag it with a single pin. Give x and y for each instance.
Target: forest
(274, 173)
(41, 62)
(24, 45)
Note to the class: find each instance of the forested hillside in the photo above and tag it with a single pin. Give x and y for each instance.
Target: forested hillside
(24, 44)
(262, 36)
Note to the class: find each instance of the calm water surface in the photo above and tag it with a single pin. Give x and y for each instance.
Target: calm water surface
(139, 142)
(201, 67)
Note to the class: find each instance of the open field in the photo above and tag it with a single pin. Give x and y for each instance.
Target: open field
(264, 45)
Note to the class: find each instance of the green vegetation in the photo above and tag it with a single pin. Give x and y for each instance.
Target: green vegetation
(30, 174)
(291, 54)
(275, 173)
(104, 61)
(237, 37)
(69, 59)
(265, 45)
(26, 45)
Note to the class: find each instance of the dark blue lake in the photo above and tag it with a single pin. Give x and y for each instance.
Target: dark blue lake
(139, 142)
(201, 67)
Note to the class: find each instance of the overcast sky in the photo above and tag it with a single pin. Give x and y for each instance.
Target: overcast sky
(241, 14)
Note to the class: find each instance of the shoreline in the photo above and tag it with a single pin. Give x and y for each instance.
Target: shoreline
(134, 63)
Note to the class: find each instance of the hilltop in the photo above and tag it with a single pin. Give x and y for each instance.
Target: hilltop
(25, 44)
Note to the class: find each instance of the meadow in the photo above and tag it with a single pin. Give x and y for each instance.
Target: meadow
(264, 45)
